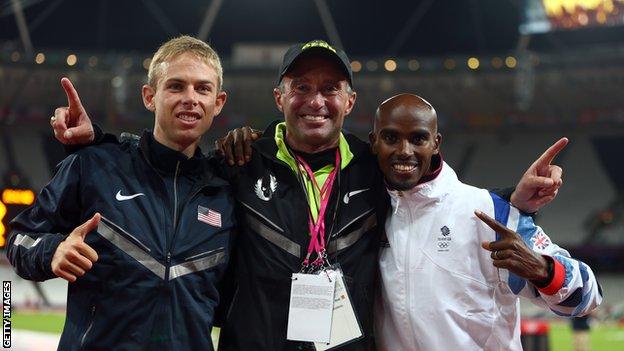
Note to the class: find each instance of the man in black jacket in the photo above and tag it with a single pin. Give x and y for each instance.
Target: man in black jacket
(278, 199)
(145, 267)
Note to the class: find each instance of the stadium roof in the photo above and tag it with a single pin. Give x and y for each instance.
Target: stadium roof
(363, 27)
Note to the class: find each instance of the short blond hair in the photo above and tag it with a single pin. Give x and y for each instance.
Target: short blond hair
(178, 46)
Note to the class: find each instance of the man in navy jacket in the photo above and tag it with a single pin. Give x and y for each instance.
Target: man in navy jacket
(145, 264)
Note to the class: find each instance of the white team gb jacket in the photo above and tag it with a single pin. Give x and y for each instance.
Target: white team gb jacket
(440, 290)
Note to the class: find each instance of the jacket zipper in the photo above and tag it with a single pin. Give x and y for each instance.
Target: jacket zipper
(175, 216)
(175, 221)
(175, 195)
(408, 255)
(84, 336)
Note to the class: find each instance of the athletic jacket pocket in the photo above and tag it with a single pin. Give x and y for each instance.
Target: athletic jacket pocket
(198, 263)
(130, 246)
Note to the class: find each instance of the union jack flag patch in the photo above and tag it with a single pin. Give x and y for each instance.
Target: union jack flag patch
(209, 216)
(540, 240)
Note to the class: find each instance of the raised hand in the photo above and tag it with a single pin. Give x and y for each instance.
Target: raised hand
(71, 124)
(511, 253)
(541, 182)
(73, 257)
(236, 145)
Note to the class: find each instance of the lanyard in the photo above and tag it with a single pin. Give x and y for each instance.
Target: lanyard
(317, 228)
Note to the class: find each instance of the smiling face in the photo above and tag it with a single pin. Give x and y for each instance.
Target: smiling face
(405, 138)
(315, 97)
(185, 101)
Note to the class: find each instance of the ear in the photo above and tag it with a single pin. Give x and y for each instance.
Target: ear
(220, 100)
(350, 103)
(438, 143)
(148, 97)
(372, 138)
(277, 94)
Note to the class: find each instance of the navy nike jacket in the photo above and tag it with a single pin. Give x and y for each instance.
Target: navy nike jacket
(163, 245)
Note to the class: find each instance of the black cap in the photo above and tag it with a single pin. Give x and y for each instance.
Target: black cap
(315, 46)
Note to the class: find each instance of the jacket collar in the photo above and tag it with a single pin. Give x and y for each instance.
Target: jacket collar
(166, 160)
(268, 147)
(283, 154)
(437, 162)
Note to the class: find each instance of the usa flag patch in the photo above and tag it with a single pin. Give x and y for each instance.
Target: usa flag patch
(209, 216)
(541, 240)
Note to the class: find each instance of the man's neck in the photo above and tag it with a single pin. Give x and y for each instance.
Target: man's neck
(311, 149)
(187, 149)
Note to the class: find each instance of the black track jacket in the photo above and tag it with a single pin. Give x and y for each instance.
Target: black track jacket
(273, 238)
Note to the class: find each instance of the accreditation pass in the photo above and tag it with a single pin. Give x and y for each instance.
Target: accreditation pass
(311, 307)
(345, 326)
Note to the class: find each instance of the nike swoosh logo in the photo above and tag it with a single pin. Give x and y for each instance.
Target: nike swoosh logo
(348, 195)
(120, 197)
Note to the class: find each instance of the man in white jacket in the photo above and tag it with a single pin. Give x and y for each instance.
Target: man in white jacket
(451, 275)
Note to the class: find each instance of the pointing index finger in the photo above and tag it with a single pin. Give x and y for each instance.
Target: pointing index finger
(72, 95)
(549, 155)
(495, 225)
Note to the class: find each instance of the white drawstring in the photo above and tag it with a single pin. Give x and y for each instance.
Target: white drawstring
(398, 204)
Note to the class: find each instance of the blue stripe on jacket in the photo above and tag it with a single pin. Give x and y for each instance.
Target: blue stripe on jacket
(501, 214)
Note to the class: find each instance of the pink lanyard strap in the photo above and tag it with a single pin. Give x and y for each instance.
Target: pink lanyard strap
(317, 230)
